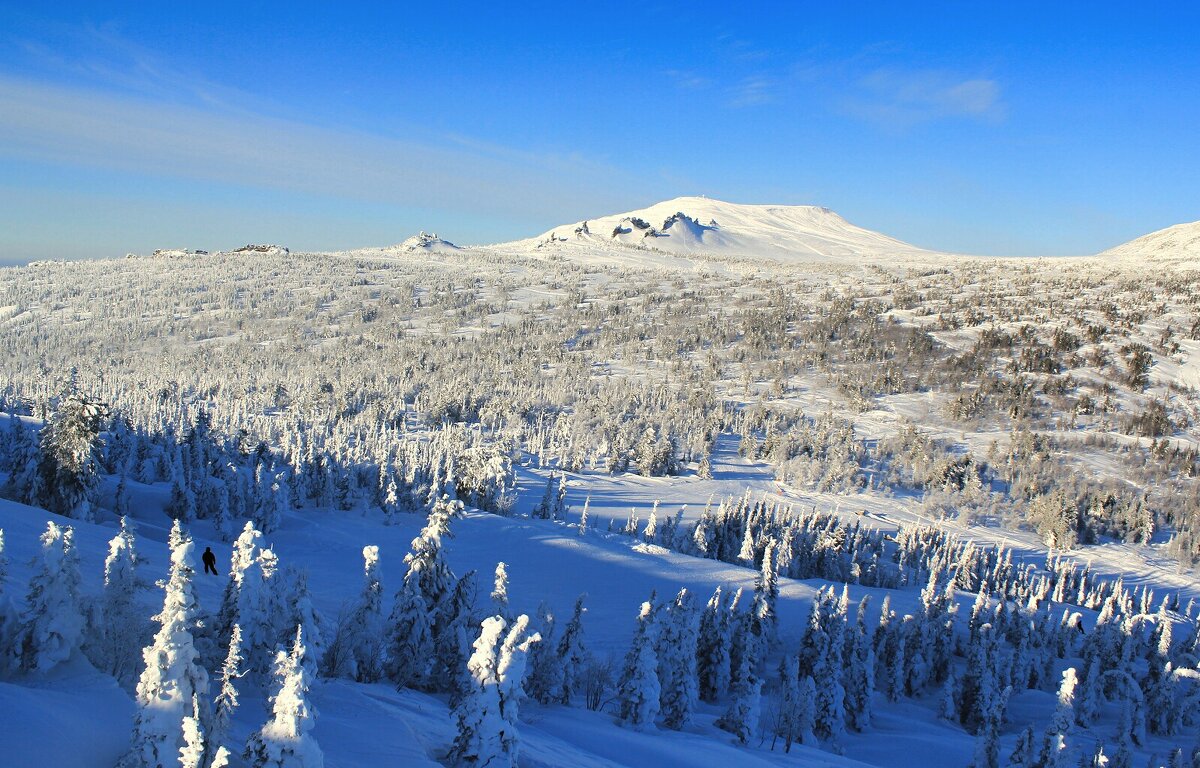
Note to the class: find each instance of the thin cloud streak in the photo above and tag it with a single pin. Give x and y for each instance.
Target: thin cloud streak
(753, 92)
(897, 98)
(75, 127)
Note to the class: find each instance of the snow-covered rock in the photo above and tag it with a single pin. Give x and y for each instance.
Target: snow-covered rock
(427, 242)
(177, 252)
(275, 250)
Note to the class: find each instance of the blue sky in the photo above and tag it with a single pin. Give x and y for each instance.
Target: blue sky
(1020, 129)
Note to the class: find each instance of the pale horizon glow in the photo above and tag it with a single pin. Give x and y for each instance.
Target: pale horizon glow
(984, 132)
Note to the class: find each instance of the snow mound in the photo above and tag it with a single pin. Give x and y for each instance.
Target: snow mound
(1181, 241)
(426, 242)
(700, 226)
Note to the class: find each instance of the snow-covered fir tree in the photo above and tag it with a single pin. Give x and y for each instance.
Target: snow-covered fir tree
(226, 702)
(712, 649)
(794, 713)
(821, 657)
(258, 608)
(480, 725)
(860, 671)
(511, 673)
(545, 680)
(978, 690)
(191, 754)
(54, 622)
(245, 553)
(293, 607)
(410, 648)
(583, 517)
(455, 624)
(1024, 751)
(69, 455)
(741, 717)
(677, 645)
(573, 654)
(366, 621)
(765, 620)
(121, 498)
(650, 534)
(172, 678)
(500, 591)
(427, 559)
(285, 740)
(545, 508)
(638, 690)
(1053, 753)
(987, 741)
(116, 622)
(561, 508)
(487, 714)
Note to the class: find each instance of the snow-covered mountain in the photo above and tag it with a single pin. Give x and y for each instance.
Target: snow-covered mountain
(1181, 241)
(699, 226)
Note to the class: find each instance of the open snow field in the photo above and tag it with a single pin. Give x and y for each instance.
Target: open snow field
(706, 363)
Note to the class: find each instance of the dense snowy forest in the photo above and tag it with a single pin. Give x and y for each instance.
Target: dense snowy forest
(895, 494)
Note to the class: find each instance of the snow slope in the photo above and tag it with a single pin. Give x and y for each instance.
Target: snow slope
(362, 726)
(691, 226)
(1180, 242)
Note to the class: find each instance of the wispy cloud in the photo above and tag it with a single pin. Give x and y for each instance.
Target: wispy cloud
(868, 84)
(687, 80)
(738, 49)
(91, 128)
(101, 56)
(752, 91)
(901, 98)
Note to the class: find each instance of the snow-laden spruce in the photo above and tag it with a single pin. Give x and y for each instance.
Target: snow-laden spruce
(500, 591)
(410, 648)
(1053, 753)
(639, 691)
(172, 679)
(545, 679)
(361, 634)
(573, 654)
(54, 621)
(677, 645)
(115, 623)
(285, 740)
(713, 661)
(69, 452)
(487, 714)
(741, 718)
(252, 601)
(226, 703)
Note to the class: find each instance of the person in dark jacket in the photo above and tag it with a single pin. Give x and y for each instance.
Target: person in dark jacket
(210, 561)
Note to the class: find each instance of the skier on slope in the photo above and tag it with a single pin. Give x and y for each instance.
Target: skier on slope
(210, 561)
